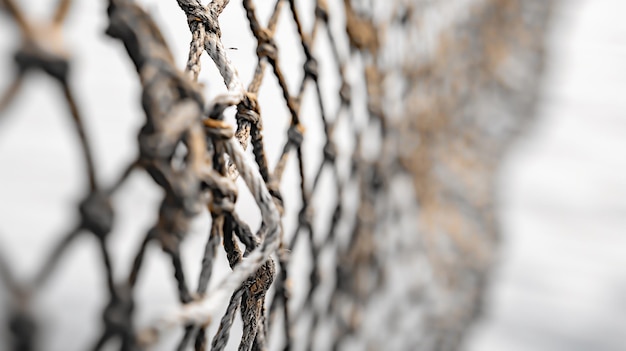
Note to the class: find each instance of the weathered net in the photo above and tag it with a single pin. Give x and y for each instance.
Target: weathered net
(429, 95)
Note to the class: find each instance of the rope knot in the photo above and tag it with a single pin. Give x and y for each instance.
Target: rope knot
(221, 205)
(295, 134)
(153, 146)
(321, 10)
(218, 129)
(274, 189)
(170, 242)
(267, 46)
(315, 277)
(250, 116)
(117, 314)
(345, 93)
(330, 151)
(305, 217)
(337, 213)
(250, 101)
(24, 330)
(311, 68)
(185, 187)
(223, 200)
(97, 214)
(357, 161)
(221, 103)
(378, 178)
(172, 226)
(56, 66)
(196, 12)
(248, 110)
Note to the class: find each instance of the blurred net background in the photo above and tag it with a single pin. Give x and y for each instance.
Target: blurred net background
(434, 90)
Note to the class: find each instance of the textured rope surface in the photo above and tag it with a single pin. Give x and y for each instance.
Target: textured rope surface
(411, 235)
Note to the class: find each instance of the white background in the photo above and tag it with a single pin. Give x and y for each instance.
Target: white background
(562, 282)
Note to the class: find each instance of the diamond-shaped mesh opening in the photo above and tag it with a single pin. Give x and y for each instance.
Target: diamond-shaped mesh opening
(276, 119)
(290, 55)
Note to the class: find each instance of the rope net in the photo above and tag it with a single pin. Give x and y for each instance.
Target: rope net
(428, 95)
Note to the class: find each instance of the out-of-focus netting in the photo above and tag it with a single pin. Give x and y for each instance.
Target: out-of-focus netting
(444, 86)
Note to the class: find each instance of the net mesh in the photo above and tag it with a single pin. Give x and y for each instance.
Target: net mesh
(429, 94)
